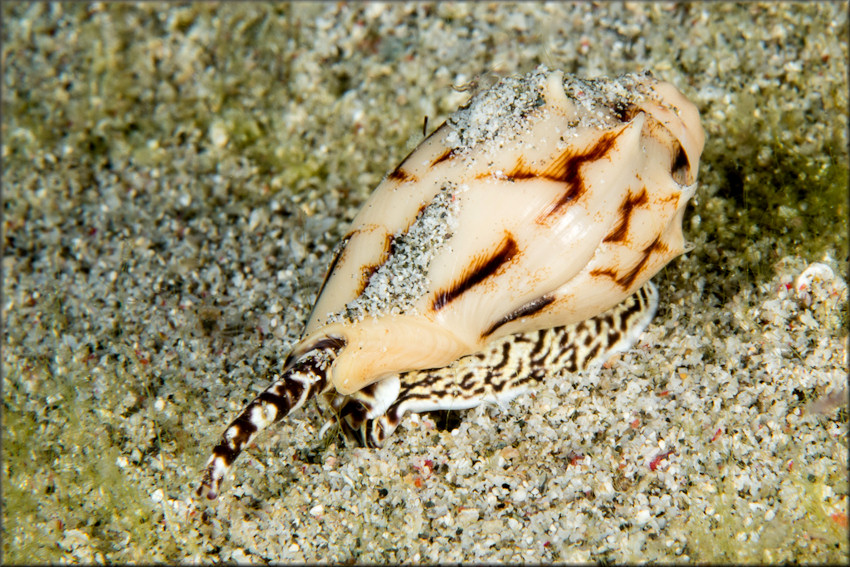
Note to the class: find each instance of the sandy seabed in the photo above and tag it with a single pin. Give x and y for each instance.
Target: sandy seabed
(175, 178)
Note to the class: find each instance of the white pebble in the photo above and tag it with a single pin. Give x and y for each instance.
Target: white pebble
(520, 494)
(218, 135)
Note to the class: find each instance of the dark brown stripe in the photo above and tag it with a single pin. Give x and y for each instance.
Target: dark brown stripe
(625, 211)
(407, 157)
(567, 168)
(567, 339)
(368, 270)
(529, 308)
(366, 273)
(446, 155)
(638, 304)
(536, 375)
(497, 386)
(416, 396)
(521, 171)
(537, 349)
(519, 368)
(478, 272)
(368, 391)
(467, 381)
(282, 402)
(625, 281)
(604, 272)
(244, 429)
(316, 388)
(398, 174)
(593, 352)
(422, 383)
(506, 351)
(394, 414)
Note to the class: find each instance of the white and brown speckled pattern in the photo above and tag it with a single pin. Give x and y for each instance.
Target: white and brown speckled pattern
(509, 367)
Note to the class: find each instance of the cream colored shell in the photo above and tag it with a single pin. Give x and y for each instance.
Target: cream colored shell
(542, 202)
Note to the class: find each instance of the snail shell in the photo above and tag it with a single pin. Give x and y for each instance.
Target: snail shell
(542, 204)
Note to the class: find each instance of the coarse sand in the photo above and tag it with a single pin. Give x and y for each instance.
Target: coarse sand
(176, 176)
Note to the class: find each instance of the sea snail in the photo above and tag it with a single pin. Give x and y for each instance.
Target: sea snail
(518, 238)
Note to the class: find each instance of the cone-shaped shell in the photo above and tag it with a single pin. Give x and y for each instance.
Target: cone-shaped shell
(542, 202)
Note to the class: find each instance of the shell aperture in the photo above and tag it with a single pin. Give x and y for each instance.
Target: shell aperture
(541, 206)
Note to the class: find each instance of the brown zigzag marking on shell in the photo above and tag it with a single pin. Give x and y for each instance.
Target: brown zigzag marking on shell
(629, 278)
(566, 168)
(626, 280)
(604, 272)
(618, 234)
